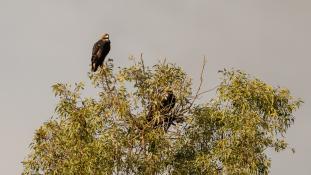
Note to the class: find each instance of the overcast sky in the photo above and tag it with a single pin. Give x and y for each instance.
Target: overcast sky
(43, 42)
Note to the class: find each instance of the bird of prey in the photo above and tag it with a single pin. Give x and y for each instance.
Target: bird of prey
(165, 107)
(100, 50)
(168, 103)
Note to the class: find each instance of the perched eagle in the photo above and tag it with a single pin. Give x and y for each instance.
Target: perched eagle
(168, 104)
(165, 107)
(100, 50)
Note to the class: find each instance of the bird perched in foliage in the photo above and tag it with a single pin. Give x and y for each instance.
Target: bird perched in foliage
(168, 103)
(100, 50)
(165, 107)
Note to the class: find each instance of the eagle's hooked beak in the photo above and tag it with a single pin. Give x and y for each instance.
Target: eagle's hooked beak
(105, 36)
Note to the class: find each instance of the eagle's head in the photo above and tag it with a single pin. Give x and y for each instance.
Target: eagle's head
(105, 36)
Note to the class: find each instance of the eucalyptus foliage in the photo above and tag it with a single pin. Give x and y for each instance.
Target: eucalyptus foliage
(109, 133)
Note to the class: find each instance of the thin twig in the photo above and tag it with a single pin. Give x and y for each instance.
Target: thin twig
(142, 62)
(208, 90)
(201, 82)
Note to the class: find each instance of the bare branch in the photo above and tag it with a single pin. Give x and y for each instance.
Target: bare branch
(208, 90)
(200, 85)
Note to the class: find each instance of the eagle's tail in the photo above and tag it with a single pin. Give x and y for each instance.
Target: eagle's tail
(94, 66)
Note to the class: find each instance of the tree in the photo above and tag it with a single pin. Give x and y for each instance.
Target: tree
(110, 134)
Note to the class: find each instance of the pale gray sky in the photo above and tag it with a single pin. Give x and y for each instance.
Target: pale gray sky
(43, 42)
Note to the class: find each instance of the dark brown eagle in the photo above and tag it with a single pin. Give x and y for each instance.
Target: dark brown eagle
(165, 108)
(100, 50)
(168, 103)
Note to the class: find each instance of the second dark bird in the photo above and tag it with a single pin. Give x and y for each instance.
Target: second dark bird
(100, 50)
(165, 107)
